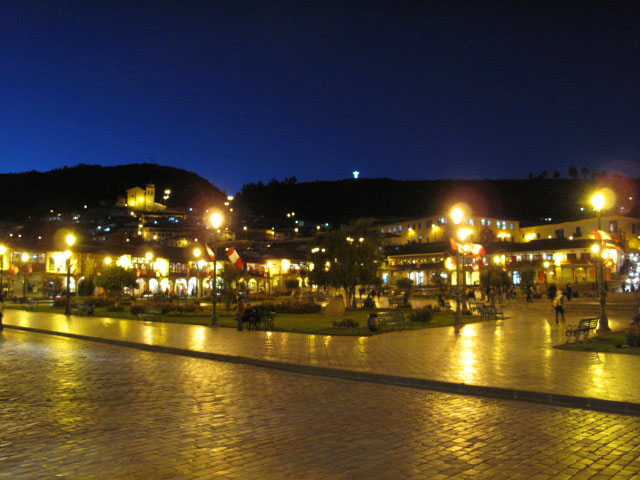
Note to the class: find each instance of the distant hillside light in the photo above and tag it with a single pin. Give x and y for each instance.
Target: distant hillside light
(356, 174)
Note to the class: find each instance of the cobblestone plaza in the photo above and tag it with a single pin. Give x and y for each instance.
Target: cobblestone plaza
(76, 409)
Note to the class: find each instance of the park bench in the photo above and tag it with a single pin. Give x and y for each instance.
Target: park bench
(388, 320)
(258, 318)
(584, 327)
(82, 309)
(397, 301)
(490, 311)
(151, 313)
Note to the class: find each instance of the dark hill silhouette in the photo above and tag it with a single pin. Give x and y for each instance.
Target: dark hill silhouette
(529, 200)
(68, 189)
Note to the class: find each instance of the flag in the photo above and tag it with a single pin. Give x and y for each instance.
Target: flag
(13, 270)
(601, 235)
(210, 252)
(454, 245)
(30, 270)
(234, 258)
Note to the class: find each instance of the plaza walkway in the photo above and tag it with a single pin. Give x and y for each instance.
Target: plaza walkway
(514, 354)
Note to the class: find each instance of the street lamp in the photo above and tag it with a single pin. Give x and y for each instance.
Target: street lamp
(457, 215)
(25, 260)
(216, 221)
(3, 250)
(196, 254)
(70, 239)
(598, 201)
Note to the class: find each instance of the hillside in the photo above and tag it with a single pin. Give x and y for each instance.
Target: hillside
(68, 189)
(530, 200)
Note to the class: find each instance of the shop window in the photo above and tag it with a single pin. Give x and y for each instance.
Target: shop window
(560, 233)
(613, 226)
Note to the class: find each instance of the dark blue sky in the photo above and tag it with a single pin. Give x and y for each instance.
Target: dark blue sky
(246, 91)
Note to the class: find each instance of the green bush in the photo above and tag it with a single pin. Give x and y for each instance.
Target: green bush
(59, 302)
(422, 315)
(99, 301)
(115, 308)
(345, 323)
(292, 306)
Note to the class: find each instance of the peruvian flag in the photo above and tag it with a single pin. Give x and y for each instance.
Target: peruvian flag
(210, 252)
(234, 258)
(13, 270)
(454, 244)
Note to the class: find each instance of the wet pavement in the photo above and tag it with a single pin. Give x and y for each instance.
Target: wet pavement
(514, 353)
(72, 409)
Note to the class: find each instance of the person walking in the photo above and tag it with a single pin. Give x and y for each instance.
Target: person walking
(240, 308)
(529, 292)
(558, 305)
(1, 311)
(569, 291)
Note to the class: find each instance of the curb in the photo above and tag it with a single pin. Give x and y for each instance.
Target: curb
(560, 400)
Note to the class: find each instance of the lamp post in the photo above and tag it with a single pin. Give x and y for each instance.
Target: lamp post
(149, 257)
(70, 239)
(3, 250)
(598, 202)
(196, 254)
(457, 215)
(216, 221)
(25, 268)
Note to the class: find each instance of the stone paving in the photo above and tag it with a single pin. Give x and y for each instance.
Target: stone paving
(515, 353)
(74, 409)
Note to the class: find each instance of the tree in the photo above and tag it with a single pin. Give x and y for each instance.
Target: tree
(556, 175)
(573, 172)
(585, 172)
(114, 278)
(348, 256)
(404, 283)
(86, 287)
(229, 275)
(493, 276)
(527, 276)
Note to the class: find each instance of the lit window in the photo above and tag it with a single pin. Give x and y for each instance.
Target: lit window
(471, 222)
(482, 221)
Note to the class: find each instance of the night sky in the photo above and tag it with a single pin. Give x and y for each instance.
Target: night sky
(245, 91)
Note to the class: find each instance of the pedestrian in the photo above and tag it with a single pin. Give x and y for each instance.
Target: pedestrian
(240, 309)
(529, 293)
(361, 291)
(558, 305)
(551, 291)
(1, 311)
(569, 291)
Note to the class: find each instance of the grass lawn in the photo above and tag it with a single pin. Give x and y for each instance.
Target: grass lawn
(312, 323)
(606, 343)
